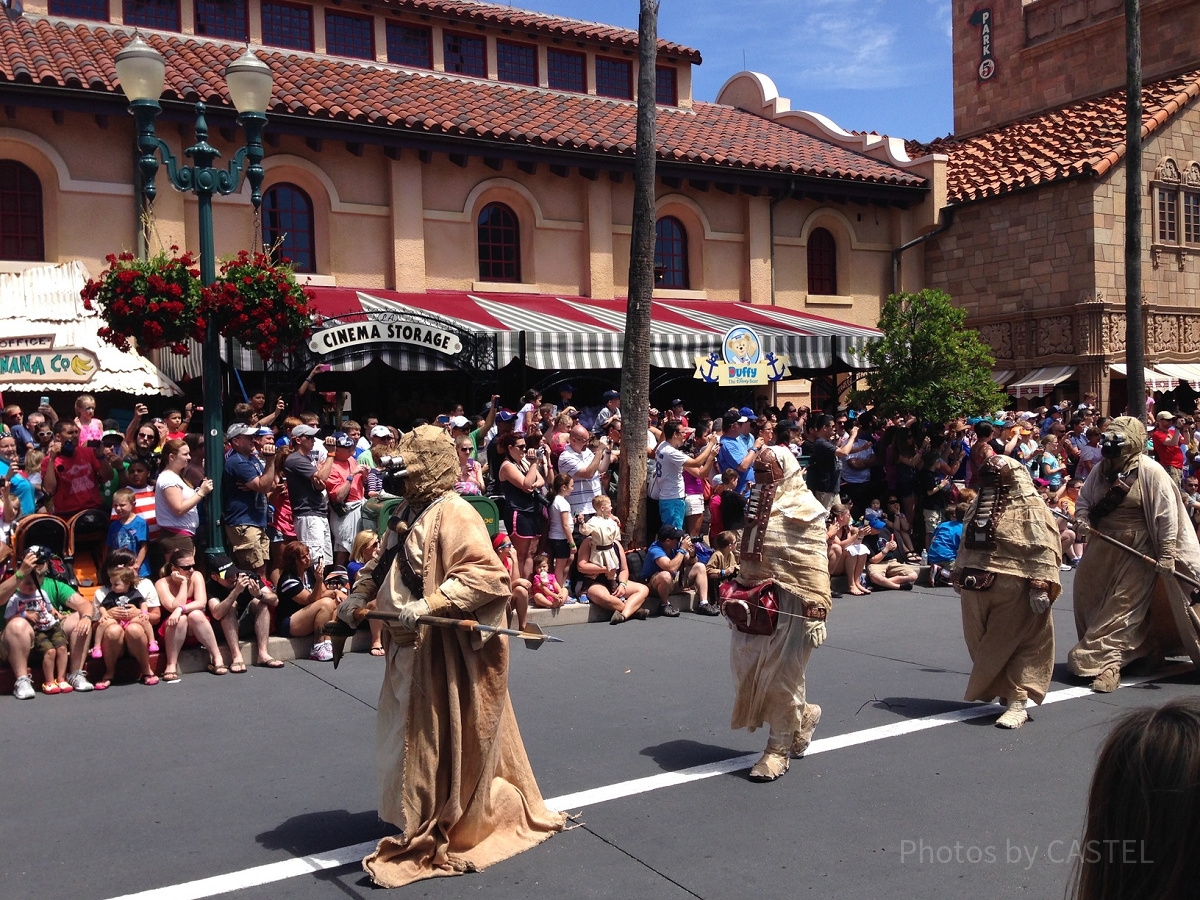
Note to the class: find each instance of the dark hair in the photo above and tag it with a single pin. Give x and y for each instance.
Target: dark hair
(505, 442)
(173, 557)
(820, 421)
(1144, 800)
(290, 560)
(557, 484)
(984, 430)
(670, 429)
(117, 559)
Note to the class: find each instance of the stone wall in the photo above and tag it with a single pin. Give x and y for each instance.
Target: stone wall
(1050, 52)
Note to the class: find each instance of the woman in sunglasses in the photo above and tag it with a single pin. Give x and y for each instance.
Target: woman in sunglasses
(185, 602)
(470, 474)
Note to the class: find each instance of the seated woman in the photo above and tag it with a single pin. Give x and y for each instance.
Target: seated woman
(184, 599)
(305, 603)
(123, 625)
(365, 549)
(608, 591)
(847, 555)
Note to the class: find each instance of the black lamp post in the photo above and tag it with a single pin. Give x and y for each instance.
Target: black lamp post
(142, 71)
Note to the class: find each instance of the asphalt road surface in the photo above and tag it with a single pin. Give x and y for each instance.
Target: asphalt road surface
(262, 785)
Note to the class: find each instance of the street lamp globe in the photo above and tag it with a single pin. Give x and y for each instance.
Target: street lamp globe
(141, 70)
(250, 83)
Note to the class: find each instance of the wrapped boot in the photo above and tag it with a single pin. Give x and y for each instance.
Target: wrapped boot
(1014, 717)
(1107, 681)
(808, 724)
(774, 761)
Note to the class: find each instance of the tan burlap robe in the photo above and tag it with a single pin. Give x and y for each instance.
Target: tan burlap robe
(453, 773)
(768, 670)
(1117, 617)
(1011, 646)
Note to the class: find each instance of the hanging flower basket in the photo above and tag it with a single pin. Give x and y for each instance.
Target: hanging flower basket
(257, 302)
(155, 301)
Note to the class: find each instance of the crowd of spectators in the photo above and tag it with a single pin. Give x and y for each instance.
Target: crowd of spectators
(300, 504)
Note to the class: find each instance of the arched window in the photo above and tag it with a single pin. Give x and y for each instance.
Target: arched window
(20, 212)
(822, 263)
(499, 238)
(670, 253)
(288, 222)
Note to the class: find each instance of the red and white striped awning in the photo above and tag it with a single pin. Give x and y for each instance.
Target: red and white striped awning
(1040, 382)
(1156, 381)
(558, 333)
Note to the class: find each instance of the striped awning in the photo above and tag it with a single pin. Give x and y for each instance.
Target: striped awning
(561, 333)
(1040, 382)
(1155, 380)
(1003, 376)
(1189, 372)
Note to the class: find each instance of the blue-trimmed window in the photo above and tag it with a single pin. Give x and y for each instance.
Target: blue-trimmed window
(288, 223)
(670, 253)
(614, 78)
(666, 86)
(465, 54)
(287, 25)
(80, 9)
(822, 263)
(409, 45)
(160, 14)
(516, 62)
(223, 19)
(499, 241)
(21, 225)
(349, 35)
(566, 70)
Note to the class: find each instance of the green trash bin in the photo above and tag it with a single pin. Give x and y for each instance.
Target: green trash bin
(488, 511)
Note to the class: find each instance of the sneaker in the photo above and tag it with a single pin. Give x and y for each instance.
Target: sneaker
(23, 688)
(668, 610)
(583, 599)
(707, 609)
(1065, 567)
(322, 652)
(79, 682)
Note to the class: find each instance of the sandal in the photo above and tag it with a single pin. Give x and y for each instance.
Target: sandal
(170, 678)
(238, 668)
(103, 685)
(149, 680)
(270, 664)
(377, 649)
(218, 670)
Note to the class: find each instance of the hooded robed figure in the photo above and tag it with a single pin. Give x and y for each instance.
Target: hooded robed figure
(1120, 616)
(452, 769)
(1006, 573)
(769, 669)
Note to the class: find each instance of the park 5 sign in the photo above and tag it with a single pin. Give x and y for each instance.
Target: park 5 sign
(34, 358)
(741, 362)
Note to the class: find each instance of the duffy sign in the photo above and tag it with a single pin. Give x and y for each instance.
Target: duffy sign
(741, 362)
(384, 328)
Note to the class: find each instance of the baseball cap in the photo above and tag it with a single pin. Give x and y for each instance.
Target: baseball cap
(611, 395)
(669, 533)
(566, 388)
(1027, 415)
(748, 413)
(344, 440)
(1164, 414)
(676, 402)
(265, 432)
(239, 429)
(459, 422)
(381, 431)
(876, 522)
(304, 431)
(506, 415)
(742, 419)
(337, 575)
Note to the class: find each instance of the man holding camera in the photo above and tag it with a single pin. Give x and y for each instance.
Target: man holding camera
(672, 560)
(71, 474)
(306, 488)
(585, 466)
(245, 511)
(670, 462)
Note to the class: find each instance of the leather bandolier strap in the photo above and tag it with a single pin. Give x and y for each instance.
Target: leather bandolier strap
(1110, 501)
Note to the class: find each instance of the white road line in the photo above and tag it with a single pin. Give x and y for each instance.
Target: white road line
(306, 865)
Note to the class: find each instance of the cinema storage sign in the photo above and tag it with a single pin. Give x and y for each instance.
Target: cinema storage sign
(384, 328)
(33, 358)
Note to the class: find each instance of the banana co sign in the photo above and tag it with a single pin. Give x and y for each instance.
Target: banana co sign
(384, 328)
(34, 358)
(743, 362)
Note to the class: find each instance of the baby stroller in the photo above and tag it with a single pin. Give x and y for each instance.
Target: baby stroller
(52, 536)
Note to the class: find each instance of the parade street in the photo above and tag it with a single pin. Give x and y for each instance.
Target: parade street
(263, 786)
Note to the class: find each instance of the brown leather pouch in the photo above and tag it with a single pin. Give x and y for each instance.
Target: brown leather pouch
(974, 579)
(752, 610)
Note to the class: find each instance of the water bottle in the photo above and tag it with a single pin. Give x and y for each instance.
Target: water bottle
(924, 557)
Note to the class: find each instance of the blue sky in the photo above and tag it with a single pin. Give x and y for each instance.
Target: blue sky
(882, 65)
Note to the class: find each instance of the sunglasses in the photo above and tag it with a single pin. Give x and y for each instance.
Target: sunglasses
(45, 434)
(520, 446)
(464, 449)
(184, 568)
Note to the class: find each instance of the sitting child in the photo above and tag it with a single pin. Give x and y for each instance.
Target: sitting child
(49, 641)
(943, 549)
(122, 594)
(547, 592)
(605, 532)
(723, 564)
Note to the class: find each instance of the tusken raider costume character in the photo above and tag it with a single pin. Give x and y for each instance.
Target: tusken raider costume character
(783, 542)
(1006, 573)
(452, 769)
(1119, 615)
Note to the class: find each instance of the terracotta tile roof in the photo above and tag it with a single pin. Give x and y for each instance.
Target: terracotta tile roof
(72, 55)
(1082, 138)
(542, 23)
